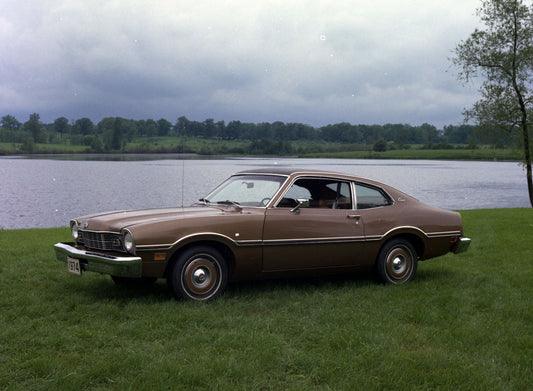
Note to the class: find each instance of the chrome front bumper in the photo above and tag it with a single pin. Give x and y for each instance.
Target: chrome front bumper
(462, 245)
(127, 266)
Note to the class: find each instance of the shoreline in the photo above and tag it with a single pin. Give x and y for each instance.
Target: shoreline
(495, 155)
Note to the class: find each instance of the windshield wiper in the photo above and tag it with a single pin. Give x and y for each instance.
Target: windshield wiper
(202, 201)
(231, 203)
(206, 202)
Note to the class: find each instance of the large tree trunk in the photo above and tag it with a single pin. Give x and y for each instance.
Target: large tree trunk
(529, 183)
(527, 153)
(527, 149)
(525, 132)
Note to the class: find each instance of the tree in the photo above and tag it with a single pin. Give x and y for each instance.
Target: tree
(28, 145)
(181, 125)
(83, 126)
(380, 146)
(502, 55)
(278, 130)
(61, 125)
(150, 128)
(342, 132)
(431, 133)
(105, 125)
(233, 130)
(35, 128)
(163, 127)
(194, 129)
(210, 129)
(10, 123)
(458, 134)
(96, 144)
(116, 139)
(220, 128)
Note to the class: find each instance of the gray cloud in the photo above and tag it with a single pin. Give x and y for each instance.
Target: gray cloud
(315, 62)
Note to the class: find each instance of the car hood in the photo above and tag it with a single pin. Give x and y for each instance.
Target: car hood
(118, 220)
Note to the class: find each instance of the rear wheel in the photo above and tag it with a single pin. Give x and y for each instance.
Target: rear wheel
(200, 273)
(397, 262)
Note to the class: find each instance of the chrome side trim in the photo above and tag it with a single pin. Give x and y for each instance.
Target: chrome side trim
(351, 239)
(244, 243)
(274, 242)
(373, 238)
(443, 234)
(285, 242)
(428, 235)
(162, 247)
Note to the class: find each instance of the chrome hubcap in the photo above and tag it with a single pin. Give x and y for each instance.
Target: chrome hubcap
(399, 264)
(200, 276)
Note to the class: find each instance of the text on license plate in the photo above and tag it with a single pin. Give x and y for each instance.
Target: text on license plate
(74, 265)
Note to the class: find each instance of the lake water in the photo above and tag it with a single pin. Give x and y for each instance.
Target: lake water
(39, 193)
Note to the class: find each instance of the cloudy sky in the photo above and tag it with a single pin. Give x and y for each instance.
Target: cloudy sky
(309, 61)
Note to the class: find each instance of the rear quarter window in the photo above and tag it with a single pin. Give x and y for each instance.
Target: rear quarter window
(371, 197)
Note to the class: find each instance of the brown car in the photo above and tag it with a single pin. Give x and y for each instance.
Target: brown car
(267, 223)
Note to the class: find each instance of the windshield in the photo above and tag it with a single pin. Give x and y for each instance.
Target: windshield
(246, 190)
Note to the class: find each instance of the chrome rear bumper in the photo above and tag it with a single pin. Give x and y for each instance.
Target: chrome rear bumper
(127, 266)
(462, 245)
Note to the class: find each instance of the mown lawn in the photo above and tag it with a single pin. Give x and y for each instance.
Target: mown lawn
(465, 322)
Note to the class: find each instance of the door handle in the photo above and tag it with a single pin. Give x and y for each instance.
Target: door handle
(355, 217)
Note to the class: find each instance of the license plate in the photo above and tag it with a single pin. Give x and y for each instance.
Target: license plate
(74, 266)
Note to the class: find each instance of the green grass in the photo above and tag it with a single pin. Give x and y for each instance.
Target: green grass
(16, 148)
(465, 322)
(301, 148)
(184, 144)
(428, 154)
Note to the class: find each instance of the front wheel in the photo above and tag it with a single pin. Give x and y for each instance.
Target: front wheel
(200, 273)
(397, 262)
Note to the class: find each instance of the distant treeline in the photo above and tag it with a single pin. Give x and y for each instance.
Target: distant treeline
(114, 134)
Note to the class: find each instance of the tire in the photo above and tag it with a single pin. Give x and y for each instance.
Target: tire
(200, 273)
(397, 262)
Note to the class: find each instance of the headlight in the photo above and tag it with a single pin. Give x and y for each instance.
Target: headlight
(74, 229)
(129, 243)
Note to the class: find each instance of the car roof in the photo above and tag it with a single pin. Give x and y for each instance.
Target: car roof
(296, 172)
(287, 171)
(291, 171)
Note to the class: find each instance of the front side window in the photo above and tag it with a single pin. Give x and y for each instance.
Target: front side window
(370, 197)
(318, 193)
(246, 190)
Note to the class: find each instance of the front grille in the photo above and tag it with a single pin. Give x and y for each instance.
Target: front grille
(105, 241)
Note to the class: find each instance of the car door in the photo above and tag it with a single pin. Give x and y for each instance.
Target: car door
(312, 226)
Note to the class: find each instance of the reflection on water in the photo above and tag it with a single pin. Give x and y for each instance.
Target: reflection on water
(48, 193)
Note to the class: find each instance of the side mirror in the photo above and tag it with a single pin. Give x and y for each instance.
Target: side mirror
(302, 203)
